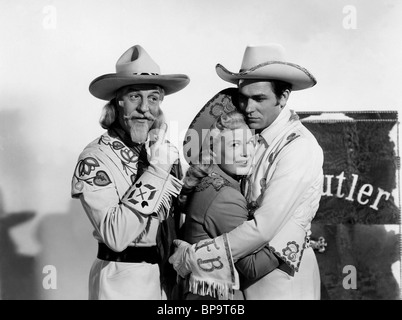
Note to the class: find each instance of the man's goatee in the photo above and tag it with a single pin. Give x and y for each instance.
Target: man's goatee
(139, 132)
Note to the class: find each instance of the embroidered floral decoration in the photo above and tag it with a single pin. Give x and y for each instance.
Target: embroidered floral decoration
(220, 108)
(101, 179)
(117, 145)
(127, 156)
(85, 168)
(87, 165)
(290, 252)
(212, 180)
(291, 137)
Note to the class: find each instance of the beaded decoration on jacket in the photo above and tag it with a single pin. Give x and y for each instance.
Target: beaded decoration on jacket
(213, 179)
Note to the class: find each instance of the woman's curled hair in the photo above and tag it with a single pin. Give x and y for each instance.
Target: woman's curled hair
(196, 172)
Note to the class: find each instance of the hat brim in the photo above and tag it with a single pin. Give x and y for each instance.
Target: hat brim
(105, 87)
(224, 101)
(299, 77)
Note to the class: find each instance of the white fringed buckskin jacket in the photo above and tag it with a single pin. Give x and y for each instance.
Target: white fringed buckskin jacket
(125, 209)
(284, 191)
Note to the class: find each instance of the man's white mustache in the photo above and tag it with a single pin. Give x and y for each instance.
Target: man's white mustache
(135, 115)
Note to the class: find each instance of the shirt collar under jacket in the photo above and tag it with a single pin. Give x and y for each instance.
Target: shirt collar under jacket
(268, 134)
(235, 184)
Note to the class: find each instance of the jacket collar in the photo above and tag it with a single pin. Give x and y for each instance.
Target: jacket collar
(217, 170)
(117, 131)
(269, 134)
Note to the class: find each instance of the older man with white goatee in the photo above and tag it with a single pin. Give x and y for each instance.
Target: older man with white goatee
(128, 179)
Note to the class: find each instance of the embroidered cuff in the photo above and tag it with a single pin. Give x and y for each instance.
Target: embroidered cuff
(213, 270)
(152, 191)
(289, 245)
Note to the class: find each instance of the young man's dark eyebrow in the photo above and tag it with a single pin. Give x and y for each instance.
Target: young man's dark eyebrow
(254, 96)
(260, 95)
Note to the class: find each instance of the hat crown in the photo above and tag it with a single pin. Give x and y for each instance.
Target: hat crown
(266, 63)
(136, 61)
(255, 55)
(135, 66)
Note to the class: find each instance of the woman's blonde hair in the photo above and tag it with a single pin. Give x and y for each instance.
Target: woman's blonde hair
(196, 172)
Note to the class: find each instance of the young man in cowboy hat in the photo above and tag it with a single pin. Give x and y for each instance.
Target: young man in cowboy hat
(285, 184)
(128, 180)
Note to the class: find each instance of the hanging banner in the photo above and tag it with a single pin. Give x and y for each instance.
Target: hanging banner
(357, 227)
(361, 165)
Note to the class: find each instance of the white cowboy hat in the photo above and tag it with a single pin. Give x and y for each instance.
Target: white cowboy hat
(194, 141)
(268, 62)
(135, 66)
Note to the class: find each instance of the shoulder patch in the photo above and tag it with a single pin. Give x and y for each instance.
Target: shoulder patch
(89, 172)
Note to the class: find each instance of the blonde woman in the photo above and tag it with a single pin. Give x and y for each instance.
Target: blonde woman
(215, 204)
